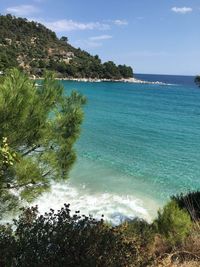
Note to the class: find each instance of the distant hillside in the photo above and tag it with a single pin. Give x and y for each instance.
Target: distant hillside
(34, 48)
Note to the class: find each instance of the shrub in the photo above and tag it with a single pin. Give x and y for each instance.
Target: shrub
(59, 239)
(190, 202)
(139, 229)
(142, 234)
(173, 223)
(192, 242)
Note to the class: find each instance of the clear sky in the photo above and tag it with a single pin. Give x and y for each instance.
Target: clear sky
(153, 36)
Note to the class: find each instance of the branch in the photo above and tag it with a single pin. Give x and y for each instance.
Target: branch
(8, 186)
(30, 150)
(183, 252)
(47, 173)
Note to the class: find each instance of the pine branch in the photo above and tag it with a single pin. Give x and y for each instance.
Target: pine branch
(9, 186)
(30, 150)
(47, 173)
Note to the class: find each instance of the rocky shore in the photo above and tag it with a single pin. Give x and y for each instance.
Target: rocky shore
(128, 80)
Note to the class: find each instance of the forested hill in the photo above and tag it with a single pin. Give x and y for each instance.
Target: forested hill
(34, 48)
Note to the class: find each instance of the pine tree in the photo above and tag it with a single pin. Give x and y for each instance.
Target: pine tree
(40, 125)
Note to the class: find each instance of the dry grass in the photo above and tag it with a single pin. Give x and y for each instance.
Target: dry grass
(186, 254)
(192, 242)
(168, 262)
(188, 264)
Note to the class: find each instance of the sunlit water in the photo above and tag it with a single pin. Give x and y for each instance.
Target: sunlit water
(139, 145)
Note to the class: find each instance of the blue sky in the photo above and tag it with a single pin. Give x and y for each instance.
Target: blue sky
(152, 36)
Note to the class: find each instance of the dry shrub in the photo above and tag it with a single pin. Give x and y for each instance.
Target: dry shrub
(192, 242)
(186, 254)
(141, 234)
(168, 263)
(187, 264)
(160, 246)
(177, 259)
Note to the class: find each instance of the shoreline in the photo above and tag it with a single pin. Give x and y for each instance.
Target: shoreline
(95, 80)
(123, 80)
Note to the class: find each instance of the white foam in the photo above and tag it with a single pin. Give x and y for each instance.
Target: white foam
(115, 208)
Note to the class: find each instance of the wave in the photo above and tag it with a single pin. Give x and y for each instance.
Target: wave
(115, 208)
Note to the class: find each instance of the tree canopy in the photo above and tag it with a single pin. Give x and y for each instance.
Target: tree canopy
(39, 126)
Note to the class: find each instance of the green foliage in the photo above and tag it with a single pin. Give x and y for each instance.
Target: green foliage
(197, 80)
(63, 240)
(139, 229)
(111, 70)
(173, 223)
(7, 157)
(7, 58)
(41, 125)
(64, 39)
(125, 71)
(189, 202)
(34, 48)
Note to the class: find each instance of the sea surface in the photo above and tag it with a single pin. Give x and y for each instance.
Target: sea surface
(140, 144)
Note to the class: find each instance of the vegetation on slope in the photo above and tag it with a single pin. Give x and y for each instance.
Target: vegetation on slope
(34, 48)
(62, 239)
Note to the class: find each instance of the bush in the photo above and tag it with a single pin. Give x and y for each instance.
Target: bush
(173, 223)
(192, 242)
(63, 240)
(190, 202)
(142, 234)
(139, 229)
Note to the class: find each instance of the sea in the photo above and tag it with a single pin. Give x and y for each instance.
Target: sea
(139, 145)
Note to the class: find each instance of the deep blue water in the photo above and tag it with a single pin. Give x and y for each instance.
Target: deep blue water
(140, 144)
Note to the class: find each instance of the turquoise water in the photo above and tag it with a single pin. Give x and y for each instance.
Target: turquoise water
(140, 144)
